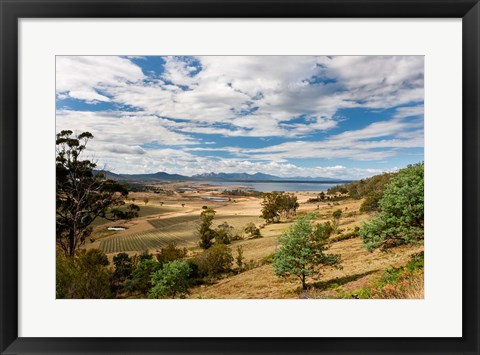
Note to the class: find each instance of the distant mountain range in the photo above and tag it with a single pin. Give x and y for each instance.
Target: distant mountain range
(162, 176)
(256, 177)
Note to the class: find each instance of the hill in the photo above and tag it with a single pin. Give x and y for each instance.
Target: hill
(163, 176)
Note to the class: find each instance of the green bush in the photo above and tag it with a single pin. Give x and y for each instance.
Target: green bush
(267, 259)
(144, 256)
(141, 276)
(123, 267)
(224, 233)
(364, 187)
(84, 276)
(171, 280)
(215, 261)
(416, 262)
(372, 202)
(171, 253)
(251, 231)
(302, 248)
(401, 216)
(240, 259)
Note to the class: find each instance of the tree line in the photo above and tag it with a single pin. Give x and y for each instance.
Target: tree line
(371, 189)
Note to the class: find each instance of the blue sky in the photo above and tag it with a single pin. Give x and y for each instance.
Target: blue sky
(342, 116)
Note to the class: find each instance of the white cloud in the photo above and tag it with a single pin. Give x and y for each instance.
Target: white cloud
(85, 77)
(180, 162)
(362, 144)
(291, 97)
(121, 128)
(409, 111)
(276, 87)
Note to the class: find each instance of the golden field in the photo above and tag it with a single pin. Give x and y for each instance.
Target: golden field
(173, 214)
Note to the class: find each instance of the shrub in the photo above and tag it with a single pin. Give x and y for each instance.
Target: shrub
(215, 261)
(84, 276)
(267, 259)
(416, 262)
(171, 253)
(123, 268)
(239, 258)
(252, 231)
(372, 202)
(402, 212)
(171, 280)
(141, 276)
(242, 192)
(224, 233)
(144, 256)
(250, 264)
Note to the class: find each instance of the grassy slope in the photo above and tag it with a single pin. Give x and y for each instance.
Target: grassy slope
(359, 265)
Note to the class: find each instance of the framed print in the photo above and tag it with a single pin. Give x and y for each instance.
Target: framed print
(225, 177)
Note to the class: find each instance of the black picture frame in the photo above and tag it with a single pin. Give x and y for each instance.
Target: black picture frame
(12, 11)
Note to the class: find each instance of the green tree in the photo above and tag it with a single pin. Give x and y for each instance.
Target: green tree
(215, 261)
(84, 276)
(145, 200)
(362, 188)
(301, 252)
(144, 256)
(141, 276)
(171, 280)
(123, 268)
(336, 218)
(205, 231)
(171, 253)
(252, 231)
(288, 204)
(83, 195)
(240, 259)
(401, 216)
(372, 201)
(224, 233)
(270, 207)
(277, 204)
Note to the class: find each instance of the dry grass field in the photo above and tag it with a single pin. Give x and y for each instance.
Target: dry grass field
(174, 217)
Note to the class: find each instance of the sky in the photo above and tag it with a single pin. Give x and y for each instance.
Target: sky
(346, 117)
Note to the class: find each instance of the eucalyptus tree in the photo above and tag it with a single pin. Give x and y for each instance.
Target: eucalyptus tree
(83, 195)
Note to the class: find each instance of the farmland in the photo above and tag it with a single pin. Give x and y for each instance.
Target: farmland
(180, 230)
(144, 211)
(175, 219)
